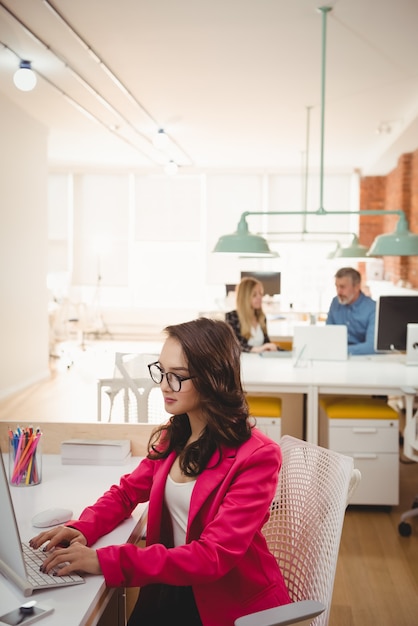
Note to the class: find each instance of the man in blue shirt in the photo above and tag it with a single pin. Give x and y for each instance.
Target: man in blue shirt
(355, 310)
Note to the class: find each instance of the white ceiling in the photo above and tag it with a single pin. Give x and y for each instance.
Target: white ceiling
(235, 83)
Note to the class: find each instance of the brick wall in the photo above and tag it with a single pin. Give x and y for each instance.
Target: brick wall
(397, 190)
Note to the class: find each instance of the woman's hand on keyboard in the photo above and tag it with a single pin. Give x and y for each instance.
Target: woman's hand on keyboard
(74, 558)
(60, 536)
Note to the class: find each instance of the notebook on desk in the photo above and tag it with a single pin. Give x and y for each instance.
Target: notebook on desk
(16, 557)
(320, 343)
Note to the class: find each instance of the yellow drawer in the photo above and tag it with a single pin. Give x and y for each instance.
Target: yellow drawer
(264, 406)
(338, 407)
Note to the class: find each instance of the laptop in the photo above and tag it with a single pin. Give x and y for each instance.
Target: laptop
(320, 343)
(18, 562)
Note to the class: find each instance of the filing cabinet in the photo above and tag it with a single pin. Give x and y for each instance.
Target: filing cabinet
(367, 430)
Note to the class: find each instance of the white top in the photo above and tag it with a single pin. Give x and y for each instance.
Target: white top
(257, 336)
(177, 497)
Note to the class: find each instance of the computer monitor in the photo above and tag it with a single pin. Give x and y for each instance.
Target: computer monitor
(393, 313)
(269, 280)
(230, 288)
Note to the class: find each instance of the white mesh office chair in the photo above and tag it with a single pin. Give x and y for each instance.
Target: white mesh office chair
(410, 450)
(304, 530)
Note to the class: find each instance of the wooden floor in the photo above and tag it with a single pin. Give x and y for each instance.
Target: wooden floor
(377, 573)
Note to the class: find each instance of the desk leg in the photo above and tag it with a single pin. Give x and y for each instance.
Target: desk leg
(312, 422)
(110, 609)
(122, 617)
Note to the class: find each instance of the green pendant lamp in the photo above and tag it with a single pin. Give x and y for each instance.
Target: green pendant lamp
(243, 242)
(399, 243)
(354, 250)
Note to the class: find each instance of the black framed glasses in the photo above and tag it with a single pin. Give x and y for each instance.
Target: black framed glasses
(174, 380)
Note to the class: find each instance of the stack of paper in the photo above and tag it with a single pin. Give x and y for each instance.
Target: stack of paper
(95, 451)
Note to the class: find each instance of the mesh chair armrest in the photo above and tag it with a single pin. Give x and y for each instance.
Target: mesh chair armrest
(301, 613)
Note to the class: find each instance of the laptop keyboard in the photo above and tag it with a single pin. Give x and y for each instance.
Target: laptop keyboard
(38, 580)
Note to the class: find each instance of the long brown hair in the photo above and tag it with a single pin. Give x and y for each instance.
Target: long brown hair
(213, 357)
(244, 308)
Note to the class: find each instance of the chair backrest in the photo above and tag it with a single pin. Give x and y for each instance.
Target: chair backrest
(133, 368)
(306, 519)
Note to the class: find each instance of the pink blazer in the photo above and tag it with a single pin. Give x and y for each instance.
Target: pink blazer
(225, 558)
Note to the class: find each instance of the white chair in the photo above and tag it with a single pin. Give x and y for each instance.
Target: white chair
(131, 377)
(304, 530)
(410, 450)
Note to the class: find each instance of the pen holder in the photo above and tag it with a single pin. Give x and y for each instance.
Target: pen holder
(25, 459)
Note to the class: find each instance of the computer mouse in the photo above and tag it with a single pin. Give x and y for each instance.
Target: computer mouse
(51, 517)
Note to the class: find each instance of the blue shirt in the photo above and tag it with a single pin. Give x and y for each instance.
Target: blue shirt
(359, 317)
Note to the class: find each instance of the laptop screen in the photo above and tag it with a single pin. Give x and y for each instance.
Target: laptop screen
(320, 343)
(11, 560)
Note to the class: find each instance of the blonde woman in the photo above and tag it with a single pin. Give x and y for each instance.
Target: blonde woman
(248, 320)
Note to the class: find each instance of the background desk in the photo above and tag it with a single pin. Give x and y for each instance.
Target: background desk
(373, 446)
(75, 487)
(359, 375)
(366, 375)
(374, 375)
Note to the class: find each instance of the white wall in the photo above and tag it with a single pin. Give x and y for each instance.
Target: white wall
(23, 250)
(150, 238)
(157, 266)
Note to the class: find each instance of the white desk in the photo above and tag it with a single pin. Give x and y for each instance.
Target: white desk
(73, 486)
(367, 375)
(359, 375)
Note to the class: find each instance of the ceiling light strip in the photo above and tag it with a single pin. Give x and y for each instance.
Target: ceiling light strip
(95, 56)
(105, 103)
(109, 72)
(95, 119)
(82, 109)
(85, 84)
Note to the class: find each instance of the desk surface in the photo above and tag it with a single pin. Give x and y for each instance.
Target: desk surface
(368, 375)
(378, 371)
(358, 375)
(363, 372)
(70, 486)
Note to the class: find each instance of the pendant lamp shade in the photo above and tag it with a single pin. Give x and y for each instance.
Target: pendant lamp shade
(243, 242)
(354, 250)
(399, 243)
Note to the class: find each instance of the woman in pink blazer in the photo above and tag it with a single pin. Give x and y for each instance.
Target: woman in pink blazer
(209, 477)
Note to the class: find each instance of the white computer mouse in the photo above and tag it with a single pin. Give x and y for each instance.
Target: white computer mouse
(51, 517)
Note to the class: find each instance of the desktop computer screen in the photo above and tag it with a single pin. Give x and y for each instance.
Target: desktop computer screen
(269, 280)
(230, 288)
(393, 313)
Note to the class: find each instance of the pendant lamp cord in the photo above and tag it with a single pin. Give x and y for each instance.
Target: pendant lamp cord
(324, 11)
